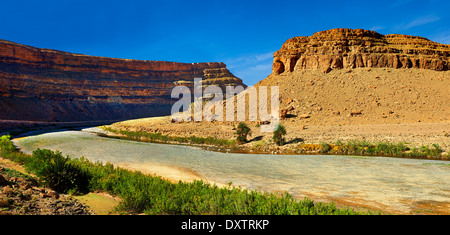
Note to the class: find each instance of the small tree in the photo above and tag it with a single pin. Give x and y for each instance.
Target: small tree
(278, 135)
(242, 131)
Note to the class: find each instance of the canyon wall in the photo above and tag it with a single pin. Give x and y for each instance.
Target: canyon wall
(347, 48)
(55, 86)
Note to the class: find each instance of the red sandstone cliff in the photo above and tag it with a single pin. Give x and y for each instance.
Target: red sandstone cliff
(48, 85)
(347, 48)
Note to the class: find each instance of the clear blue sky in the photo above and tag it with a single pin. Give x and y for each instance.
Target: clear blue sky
(244, 34)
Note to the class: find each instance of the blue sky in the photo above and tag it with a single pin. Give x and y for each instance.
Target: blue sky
(243, 34)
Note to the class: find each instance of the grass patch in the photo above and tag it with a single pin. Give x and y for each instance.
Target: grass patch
(366, 148)
(436, 164)
(14, 173)
(101, 204)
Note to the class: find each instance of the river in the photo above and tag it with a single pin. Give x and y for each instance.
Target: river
(394, 185)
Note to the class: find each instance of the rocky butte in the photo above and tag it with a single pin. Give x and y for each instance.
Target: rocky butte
(348, 48)
(42, 85)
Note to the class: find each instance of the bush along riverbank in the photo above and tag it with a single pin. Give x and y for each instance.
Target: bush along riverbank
(22, 193)
(376, 149)
(296, 146)
(142, 193)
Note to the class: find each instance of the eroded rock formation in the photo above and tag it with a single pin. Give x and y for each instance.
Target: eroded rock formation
(48, 85)
(347, 48)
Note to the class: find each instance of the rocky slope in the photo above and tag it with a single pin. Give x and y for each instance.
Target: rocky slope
(20, 195)
(54, 86)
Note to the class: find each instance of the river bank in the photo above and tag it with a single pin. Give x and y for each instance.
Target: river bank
(143, 193)
(392, 185)
(346, 143)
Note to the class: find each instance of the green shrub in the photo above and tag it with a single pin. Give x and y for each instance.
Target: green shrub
(39, 160)
(430, 152)
(325, 148)
(57, 171)
(242, 132)
(278, 134)
(9, 151)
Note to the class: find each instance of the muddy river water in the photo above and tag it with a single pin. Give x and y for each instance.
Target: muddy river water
(394, 185)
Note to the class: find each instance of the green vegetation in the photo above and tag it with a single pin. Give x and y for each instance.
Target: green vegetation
(242, 131)
(58, 172)
(278, 134)
(9, 151)
(14, 173)
(325, 147)
(376, 149)
(143, 193)
(436, 164)
(160, 138)
(52, 169)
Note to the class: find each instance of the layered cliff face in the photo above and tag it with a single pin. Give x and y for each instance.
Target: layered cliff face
(347, 48)
(48, 85)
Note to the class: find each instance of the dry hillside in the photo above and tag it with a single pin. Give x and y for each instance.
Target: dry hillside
(345, 84)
